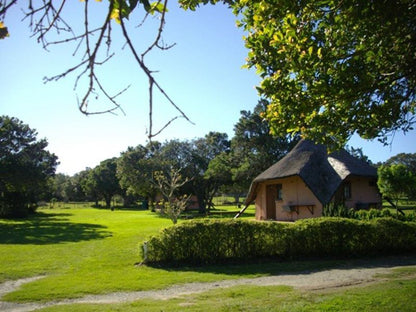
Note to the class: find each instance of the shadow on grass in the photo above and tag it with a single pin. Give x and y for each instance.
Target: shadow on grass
(276, 267)
(42, 228)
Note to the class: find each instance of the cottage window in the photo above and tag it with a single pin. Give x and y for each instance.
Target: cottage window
(279, 194)
(347, 190)
(372, 183)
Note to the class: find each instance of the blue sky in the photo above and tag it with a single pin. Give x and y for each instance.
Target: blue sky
(202, 74)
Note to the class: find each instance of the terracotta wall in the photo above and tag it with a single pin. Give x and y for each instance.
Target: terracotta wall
(363, 191)
(295, 194)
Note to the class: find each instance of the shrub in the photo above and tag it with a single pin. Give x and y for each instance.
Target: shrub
(337, 210)
(216, 241)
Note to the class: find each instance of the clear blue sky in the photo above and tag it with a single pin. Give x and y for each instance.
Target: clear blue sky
(202, 74)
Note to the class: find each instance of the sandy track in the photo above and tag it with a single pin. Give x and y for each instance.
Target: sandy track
(340, 277)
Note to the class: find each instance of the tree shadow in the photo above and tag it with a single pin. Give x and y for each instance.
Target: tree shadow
(42, 229)
(287, 267)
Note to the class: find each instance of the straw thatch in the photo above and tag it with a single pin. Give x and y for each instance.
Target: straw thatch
(321, 172)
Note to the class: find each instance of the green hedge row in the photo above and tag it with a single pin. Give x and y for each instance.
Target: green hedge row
(217, 241)
(332, 210)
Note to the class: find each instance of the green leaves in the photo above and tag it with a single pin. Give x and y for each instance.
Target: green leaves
(333, 69)
(3, 31)
(193, 4)
(123, 8)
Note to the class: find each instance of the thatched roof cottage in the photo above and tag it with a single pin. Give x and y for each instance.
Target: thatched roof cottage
(307, 178)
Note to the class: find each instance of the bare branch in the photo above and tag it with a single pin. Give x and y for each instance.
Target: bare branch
(159, 33)
(152, 81)
(5, 6)
(46, 17)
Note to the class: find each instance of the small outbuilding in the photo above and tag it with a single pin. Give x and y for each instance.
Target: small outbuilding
(308, 178)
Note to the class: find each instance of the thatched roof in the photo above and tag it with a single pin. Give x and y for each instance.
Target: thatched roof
(321, 172)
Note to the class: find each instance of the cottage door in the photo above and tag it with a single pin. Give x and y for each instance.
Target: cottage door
(271, 195)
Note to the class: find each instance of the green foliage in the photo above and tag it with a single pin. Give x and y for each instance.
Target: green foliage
(103, 180)
(334, 210)
(395, 181)
(25, 168)
(253, 148)
(193, 4)
(331, 69)
(136, 166)
(202, 242)
(122, 8)
(408, 160)
(3, 31)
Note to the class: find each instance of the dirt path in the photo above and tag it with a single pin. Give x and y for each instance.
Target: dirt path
(308, 280)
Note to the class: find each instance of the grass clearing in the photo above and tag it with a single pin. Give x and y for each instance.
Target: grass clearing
(87, 251)
(82, 250)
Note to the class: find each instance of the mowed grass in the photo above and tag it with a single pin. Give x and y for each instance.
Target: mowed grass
(87, 251)
(83, 250)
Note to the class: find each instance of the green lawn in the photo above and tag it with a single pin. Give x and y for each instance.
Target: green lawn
(86, 250)
(83, 250)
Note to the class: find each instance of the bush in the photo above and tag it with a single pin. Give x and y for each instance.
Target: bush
(217, 241)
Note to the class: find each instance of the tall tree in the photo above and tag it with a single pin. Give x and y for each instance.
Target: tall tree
(204, 151)
(60, 184)
(254, 148)
(395, 181)
(105, 180)
(135, 170)
(409, 161)
(333, 68)
(88, 185)
(25, 167)
(358, 153)
(192, 158)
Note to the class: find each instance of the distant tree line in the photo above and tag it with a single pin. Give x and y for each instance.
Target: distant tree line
(202, 167)
(210, 164)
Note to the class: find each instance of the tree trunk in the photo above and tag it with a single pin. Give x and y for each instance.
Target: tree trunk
(107, 199)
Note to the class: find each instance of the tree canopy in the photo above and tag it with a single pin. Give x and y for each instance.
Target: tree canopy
(334, 68)
(253, 147)
(395, 181)
(25, 167)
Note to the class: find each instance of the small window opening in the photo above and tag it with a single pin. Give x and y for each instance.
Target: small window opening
(347, 190)
(279, 192)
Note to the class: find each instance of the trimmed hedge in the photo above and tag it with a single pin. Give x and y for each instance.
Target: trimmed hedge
(217, 241)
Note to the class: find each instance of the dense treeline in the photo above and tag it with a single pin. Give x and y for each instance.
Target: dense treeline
(207, 166)
(210, 164)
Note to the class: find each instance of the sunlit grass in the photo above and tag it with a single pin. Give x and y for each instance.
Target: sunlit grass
(82, 250)
(394, 295)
